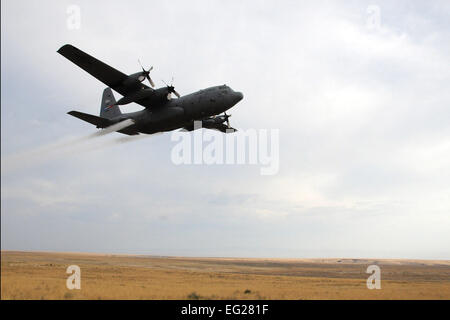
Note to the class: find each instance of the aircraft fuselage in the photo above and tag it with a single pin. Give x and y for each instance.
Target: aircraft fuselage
(177, 113)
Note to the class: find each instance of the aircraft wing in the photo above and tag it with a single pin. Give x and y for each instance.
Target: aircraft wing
(218, 126)
(100, 70)
(222, 128)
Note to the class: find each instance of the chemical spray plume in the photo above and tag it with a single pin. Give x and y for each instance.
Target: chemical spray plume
(54, 150)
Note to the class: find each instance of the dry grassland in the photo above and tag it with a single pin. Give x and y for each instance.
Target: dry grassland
(42, 275)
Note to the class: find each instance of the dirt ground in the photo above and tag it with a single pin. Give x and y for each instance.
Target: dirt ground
(42, 275)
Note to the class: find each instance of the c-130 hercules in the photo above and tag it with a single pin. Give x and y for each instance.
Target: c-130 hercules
(161, 113)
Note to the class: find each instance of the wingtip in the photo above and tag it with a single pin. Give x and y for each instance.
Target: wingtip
(64, 47)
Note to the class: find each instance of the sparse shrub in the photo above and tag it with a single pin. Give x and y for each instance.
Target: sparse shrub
(68, 295)
(248, 291)
(193, 296)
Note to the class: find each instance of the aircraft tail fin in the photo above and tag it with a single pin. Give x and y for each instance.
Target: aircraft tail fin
(107, 109)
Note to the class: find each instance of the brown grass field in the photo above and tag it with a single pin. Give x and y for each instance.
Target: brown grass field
(42, 275)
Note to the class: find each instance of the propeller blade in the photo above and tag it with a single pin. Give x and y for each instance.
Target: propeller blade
(141, 65)
(176, 93)
(147, 73)
(150, 81)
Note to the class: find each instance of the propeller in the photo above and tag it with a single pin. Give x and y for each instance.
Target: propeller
(147, 74)
(223, 118)
(227, 116)
(171, 89)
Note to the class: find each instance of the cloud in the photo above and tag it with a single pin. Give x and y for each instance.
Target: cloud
(364, 148)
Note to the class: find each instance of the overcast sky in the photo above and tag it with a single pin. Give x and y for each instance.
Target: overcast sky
(362, 108)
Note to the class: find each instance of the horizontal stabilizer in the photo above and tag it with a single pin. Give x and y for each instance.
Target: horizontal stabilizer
(97, 121)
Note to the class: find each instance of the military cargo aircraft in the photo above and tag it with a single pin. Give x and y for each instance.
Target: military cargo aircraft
(161, 113)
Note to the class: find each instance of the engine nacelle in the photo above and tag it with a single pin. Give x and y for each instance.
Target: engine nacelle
(136, 96)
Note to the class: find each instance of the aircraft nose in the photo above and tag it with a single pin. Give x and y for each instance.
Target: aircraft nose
(239, 96)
